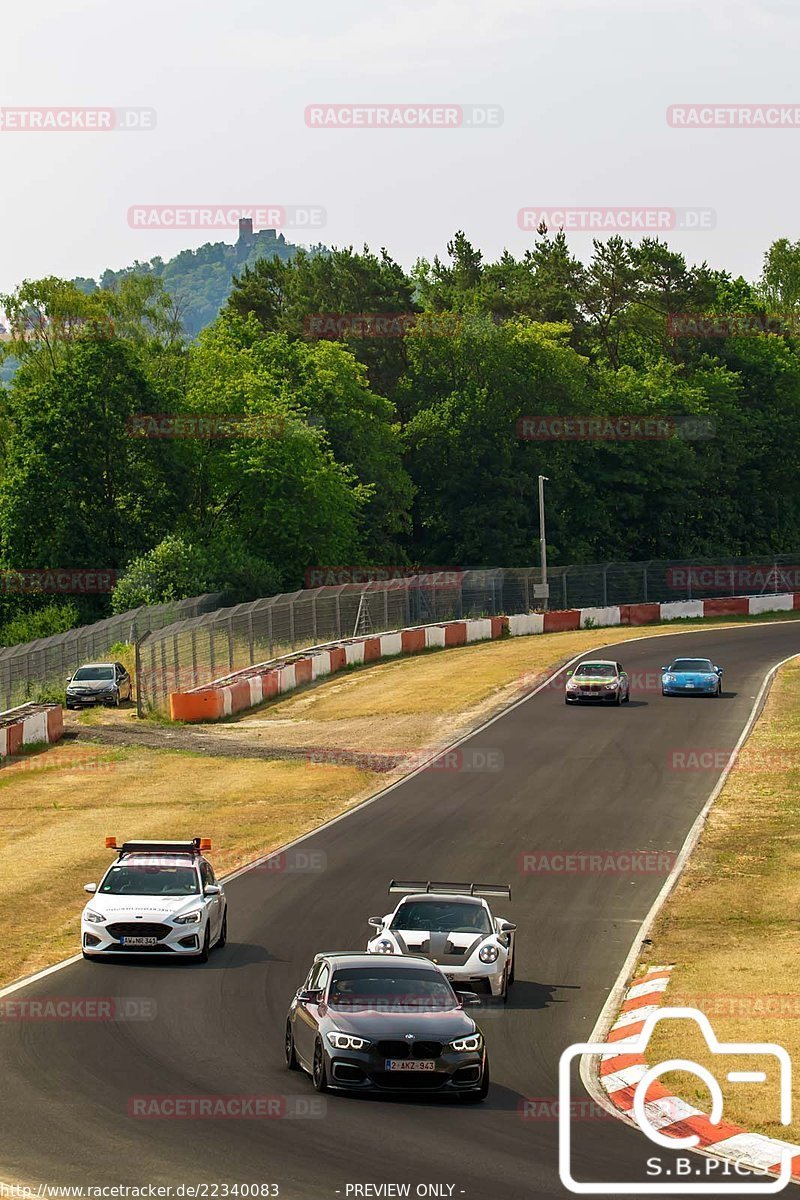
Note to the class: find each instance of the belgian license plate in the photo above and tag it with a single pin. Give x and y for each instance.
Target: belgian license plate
(410, 1064)
(139, 941)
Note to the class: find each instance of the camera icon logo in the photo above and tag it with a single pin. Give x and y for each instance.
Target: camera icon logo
(638, 1046)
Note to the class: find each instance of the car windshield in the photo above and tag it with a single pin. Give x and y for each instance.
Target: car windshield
(141, 879)
(386, 987)
(603, 670)
(84, 673)
(692, 664)
(442, 917)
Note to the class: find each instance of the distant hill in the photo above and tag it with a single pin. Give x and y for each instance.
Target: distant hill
(200, 280)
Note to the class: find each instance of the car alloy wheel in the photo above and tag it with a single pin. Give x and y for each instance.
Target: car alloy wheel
(318, 1073)
(203, 955)
(289, 1050)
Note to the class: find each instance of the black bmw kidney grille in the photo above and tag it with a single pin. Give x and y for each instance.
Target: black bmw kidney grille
(409, 1049)
(121, 929)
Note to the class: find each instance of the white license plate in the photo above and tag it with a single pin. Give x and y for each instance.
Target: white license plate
(410, 1064)
(139, 941)
(688, 685)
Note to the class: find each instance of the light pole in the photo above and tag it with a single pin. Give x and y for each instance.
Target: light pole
(543, 540)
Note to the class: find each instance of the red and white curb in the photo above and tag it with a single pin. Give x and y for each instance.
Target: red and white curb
(621, 1072)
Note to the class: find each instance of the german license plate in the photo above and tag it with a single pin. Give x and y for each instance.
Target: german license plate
(139, 941)
(410, 1064)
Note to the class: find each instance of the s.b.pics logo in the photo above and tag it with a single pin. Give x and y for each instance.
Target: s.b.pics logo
(672, 1125)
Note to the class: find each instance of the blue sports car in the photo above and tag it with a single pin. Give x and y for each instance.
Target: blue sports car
(691, 677)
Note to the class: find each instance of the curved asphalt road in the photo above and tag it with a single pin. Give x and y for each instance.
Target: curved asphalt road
(573, 779)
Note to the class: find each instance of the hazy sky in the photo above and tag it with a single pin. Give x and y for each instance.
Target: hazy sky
(584, 86)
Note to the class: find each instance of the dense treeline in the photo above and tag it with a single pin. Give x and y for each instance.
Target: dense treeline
(288, 438)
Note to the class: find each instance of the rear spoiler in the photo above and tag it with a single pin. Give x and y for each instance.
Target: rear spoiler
(450, 889)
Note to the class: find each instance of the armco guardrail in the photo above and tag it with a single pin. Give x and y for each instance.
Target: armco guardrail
(194, 652)
(252, 685)
(29, 669)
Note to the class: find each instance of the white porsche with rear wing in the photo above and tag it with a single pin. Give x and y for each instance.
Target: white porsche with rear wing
(452, 925)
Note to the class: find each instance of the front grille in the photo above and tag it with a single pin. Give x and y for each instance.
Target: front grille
(409, 1049)
(415, 1081)
(121, 929)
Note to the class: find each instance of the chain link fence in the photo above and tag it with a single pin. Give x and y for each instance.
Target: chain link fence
(38, 670)
(199, 649)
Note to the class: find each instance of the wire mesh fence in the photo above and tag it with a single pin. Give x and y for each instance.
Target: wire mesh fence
(38, 670)
(212, 646)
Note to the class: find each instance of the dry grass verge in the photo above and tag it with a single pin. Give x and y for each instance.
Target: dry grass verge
(731, 925)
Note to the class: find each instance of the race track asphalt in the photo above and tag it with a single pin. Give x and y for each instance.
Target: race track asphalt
(572, 779)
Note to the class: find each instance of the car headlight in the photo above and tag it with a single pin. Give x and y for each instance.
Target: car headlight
(191, 918)
(94, 918)
(488, 954)
(669, 678)
(384, 946)
(571, 683)
(346, 1041)
(473, 1042)
(609, 686)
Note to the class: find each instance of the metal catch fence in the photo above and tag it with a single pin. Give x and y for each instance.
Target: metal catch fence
(211, 646)
(33, 669)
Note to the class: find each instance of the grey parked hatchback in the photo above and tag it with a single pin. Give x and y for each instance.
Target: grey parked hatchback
(98, 683)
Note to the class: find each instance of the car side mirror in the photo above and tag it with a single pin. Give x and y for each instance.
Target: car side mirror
(508, 927)
(69, 679)
(212, 889)
(570, 672)
(718, 670)
(375, 922)
(665, 668)
(309, 997)
(469, 999)
(90, 887)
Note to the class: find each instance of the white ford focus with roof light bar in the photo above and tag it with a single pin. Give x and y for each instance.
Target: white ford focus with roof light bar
(453, 926)
(156, 898)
